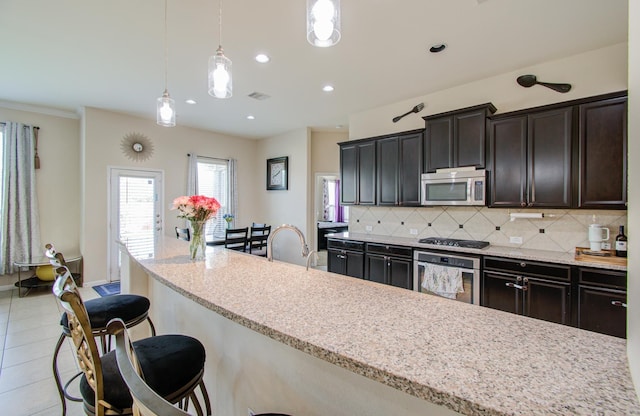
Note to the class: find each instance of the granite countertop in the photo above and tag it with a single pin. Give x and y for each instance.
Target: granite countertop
(499, 251)
(470, 359)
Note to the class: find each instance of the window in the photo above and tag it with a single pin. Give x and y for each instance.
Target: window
(213, 181)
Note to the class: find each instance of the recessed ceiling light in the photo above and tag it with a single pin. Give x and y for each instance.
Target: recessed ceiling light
(190, 101)
(250, 117)
(262, 58)
(439, 47)
(327, 88)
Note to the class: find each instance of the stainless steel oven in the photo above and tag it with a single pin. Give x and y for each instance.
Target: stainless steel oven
(449, 275)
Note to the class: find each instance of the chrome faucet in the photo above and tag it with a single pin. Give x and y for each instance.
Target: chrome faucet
(303, 242)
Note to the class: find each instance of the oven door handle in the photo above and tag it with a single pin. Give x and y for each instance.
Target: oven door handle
(422, 263)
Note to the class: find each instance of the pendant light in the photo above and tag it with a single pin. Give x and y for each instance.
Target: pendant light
(166, 106)
(323, 22)
(220, 78)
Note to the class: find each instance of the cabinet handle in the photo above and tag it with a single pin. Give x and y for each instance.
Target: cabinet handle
(515, 286)
(523, 264)
(341, 256)
(618, 303)
(523, 204)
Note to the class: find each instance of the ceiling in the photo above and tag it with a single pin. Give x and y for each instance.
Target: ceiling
(67, 54)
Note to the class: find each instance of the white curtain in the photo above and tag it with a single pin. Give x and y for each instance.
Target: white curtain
(233, 189)
(192, 175)
(20, 230)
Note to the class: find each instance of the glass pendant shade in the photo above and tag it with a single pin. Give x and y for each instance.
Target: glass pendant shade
(220, 77)
(323, 22)
(166, 110)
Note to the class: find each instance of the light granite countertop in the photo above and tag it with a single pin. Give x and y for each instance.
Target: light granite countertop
(470, 359)
(498, 251)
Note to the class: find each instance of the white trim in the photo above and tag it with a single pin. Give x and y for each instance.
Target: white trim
(41, 110)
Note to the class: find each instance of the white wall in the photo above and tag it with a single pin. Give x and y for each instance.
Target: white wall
(58, 179)
(101, 135)
(591, 73)
(290, 206)
(633, 284)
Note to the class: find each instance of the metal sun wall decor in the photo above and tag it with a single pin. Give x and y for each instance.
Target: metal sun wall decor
(137, 147)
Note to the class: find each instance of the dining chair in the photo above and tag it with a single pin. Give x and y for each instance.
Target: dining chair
(236, 238)
(132, 309)
(183, 234)
(173, 365)
(258, 240)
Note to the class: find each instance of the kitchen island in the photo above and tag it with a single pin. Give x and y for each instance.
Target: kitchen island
(280, 338)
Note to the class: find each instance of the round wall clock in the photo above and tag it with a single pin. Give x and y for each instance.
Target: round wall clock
(136, 147)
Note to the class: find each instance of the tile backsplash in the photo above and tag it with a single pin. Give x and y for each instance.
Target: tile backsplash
(558, 230)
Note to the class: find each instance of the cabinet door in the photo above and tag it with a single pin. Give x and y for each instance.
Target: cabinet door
(336, 261)
(349, 174)
(367, 173)
(508, 167)
(603, 311)
(355, 264)
(548, 300)
(376, 268)
(469, 131)
(549, 157)
(438, 144)
(400, 273)
(410, 169)
(498, 292)
(603, 154)
(388, 168)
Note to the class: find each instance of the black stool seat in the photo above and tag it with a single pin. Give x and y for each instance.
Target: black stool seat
(180, 356)
(102, 310)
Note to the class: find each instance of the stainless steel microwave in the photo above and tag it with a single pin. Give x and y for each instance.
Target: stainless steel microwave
(454, 187)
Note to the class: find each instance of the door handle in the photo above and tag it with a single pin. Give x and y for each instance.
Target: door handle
(618, 303)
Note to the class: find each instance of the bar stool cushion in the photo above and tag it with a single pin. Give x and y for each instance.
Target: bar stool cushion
(179, 355)
(102, 310)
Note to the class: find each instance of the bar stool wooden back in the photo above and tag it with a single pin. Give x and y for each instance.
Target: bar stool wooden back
(133, 309)
(173, 365)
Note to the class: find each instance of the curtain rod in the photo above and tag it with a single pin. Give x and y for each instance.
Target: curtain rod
(208, 157)
(4, 123)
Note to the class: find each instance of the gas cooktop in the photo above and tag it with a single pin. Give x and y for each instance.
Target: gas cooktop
(452, 242)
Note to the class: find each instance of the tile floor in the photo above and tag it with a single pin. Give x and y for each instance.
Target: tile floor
(29, 329)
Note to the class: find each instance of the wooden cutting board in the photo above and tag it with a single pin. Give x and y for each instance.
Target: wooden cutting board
(601, 257)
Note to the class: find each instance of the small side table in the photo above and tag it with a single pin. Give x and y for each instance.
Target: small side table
(33, 281)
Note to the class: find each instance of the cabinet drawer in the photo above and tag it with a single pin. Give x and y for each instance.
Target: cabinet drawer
(345, 244)
(530, 268)
(603, 278)
(386, 249)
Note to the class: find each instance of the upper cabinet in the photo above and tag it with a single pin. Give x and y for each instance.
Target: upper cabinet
(602, 178)
(456, 138)
(382, 171)
(530, 160)
(358, 172)
(566, 155)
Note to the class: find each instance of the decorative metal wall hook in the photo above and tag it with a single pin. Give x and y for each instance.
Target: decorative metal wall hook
(415, 109)
(531, 80)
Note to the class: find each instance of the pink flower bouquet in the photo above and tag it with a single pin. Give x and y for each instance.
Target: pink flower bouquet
(196, 207)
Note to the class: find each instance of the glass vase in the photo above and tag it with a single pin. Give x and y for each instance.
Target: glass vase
(197, 245)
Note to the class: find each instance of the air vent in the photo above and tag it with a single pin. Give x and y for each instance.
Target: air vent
(259, 96)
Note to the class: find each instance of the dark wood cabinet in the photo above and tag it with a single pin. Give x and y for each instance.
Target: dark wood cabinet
(382, 171)
(534, 289)
(345, 257)
(456, 138)
(602, 143)
(602, 303)
(399, 168)
(530, 160)
(389, 264)
(358, 173)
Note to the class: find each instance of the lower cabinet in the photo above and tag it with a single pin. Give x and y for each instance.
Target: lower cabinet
(388, 264)
(602, 301)
(534, 289)
(345, 257)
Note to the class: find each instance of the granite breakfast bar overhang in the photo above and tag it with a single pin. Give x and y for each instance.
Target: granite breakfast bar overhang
(280, 338)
